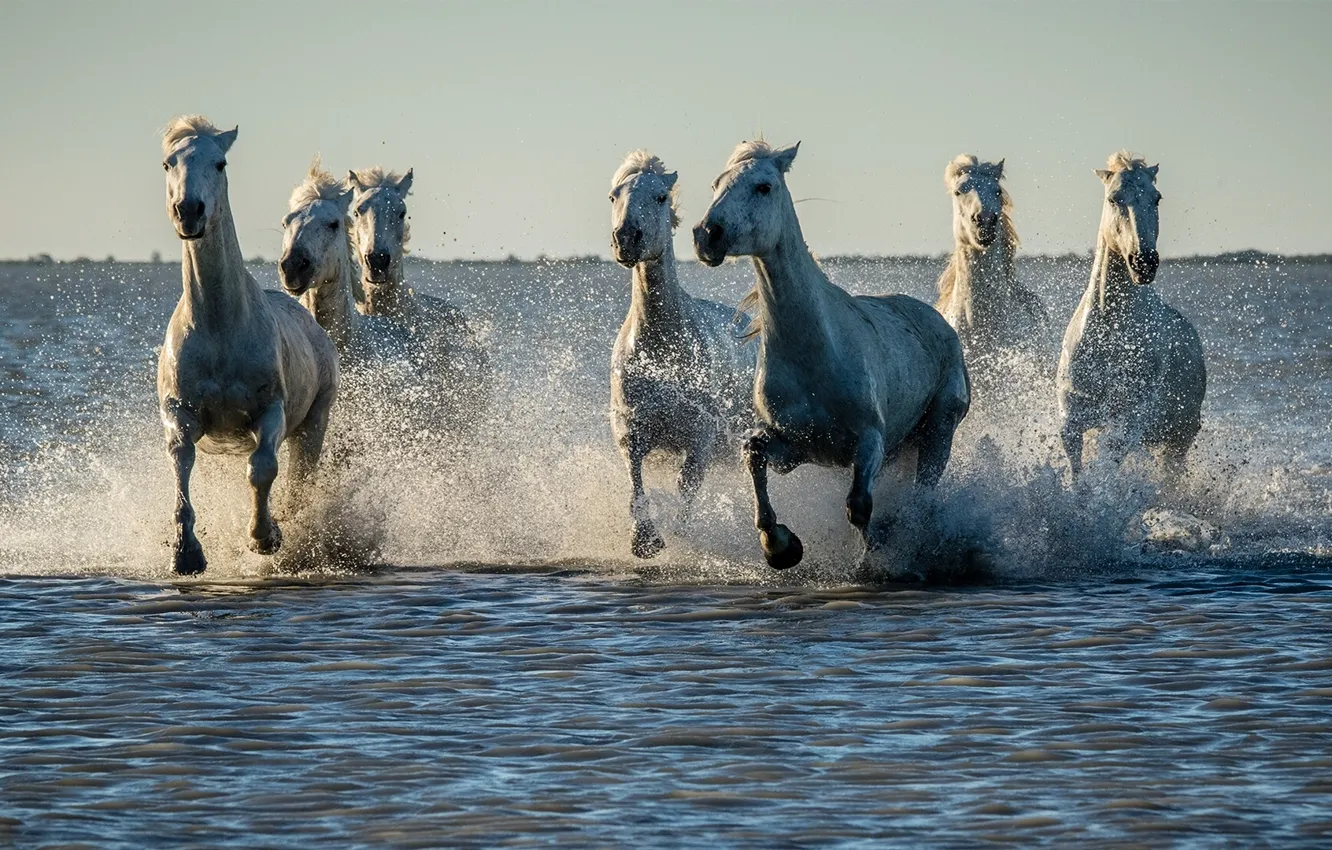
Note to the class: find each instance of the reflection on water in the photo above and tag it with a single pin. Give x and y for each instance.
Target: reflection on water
(414, 708)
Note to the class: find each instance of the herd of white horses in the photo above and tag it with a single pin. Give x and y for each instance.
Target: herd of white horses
(799, 372)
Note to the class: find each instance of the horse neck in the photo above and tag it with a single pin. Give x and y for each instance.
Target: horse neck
(657, 302)
(334, 303)
(218, 291)
(1111, 288)
(391, 298)
(792, 291)
(981, 273)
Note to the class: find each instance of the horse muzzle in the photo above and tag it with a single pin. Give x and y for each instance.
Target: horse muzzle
(711, 243)
(1143, 266)
(296, 273)
(378, 265)
(189, 219)
(627, 246)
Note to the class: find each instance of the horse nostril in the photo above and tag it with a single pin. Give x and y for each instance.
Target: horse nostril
(378, 260)
(189, 208)
(713, 233)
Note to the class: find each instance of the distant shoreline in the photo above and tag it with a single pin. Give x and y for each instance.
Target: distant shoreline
(1238, 258)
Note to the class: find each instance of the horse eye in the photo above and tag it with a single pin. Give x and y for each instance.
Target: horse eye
(402, 215)
(166, 166)
(661, 199)
(332, 225)
(763, 188)
(610, 198)
(221, 165)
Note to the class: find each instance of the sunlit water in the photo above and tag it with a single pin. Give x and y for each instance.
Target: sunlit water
(477, 660)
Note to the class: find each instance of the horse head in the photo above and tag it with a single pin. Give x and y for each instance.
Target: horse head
(750, 204)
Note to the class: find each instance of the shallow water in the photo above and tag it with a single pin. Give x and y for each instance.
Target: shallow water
(504, 673)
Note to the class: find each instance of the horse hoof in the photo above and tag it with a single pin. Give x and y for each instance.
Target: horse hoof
(645, 546)
(189, 559)
(267, 545)
(781, 548)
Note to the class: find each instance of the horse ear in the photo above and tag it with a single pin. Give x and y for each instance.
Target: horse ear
(344, 200)
(351, 179)
(227, 139)
(785, 157)
(670, 179)
(1104, 174)
(405, 184)
(999, 170)
(1153, 169)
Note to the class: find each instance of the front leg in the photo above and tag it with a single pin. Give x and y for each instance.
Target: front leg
(1071, 435)
(868, 462)
(646, 541)
(782, 549)
(269, 429)
(182, 432)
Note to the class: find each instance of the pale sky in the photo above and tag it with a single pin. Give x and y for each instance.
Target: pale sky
(515, 114)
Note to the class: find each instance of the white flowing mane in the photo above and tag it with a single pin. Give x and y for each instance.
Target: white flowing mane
(958, 271)
(376, 177)
(184, 126)
(643, 162)
(747, 151)
(1125, 161)
(319, 185)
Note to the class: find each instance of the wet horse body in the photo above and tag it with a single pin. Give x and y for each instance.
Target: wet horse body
(241, 370)
(1130, 362)
(842, 380)
(681, 376)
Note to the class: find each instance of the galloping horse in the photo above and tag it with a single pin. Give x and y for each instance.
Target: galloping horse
(979, 293)
(1130, 359)
(842, 380)
(681, 377)
(241, 369)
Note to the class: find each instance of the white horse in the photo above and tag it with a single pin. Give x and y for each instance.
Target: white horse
(1129, 359)
(842, 380)
(241, 369)
(317, 264)
(979, 293)
(438, 333)
(681, 376)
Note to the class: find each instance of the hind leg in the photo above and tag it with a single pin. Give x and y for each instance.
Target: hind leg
(306, 445)
(860, 501)
(646, 541)
(182, 432)
(782, 549)
(265, 536)
(934, 441)
(692, 470)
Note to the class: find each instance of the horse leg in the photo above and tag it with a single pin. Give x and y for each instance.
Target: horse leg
(782, 549)
(307, 443)
(695, 464)
(182, 432)
(646, 541)
(265, 536)
(864, 471)
(1071, 435)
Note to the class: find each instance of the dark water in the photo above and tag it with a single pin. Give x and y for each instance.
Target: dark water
(502, 673)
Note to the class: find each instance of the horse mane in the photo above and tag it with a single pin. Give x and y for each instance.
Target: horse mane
(1124, 160)
(645, 162)
(183, 127)
(375, 177)
(753, 150)
(318, 185)
(961, 166)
